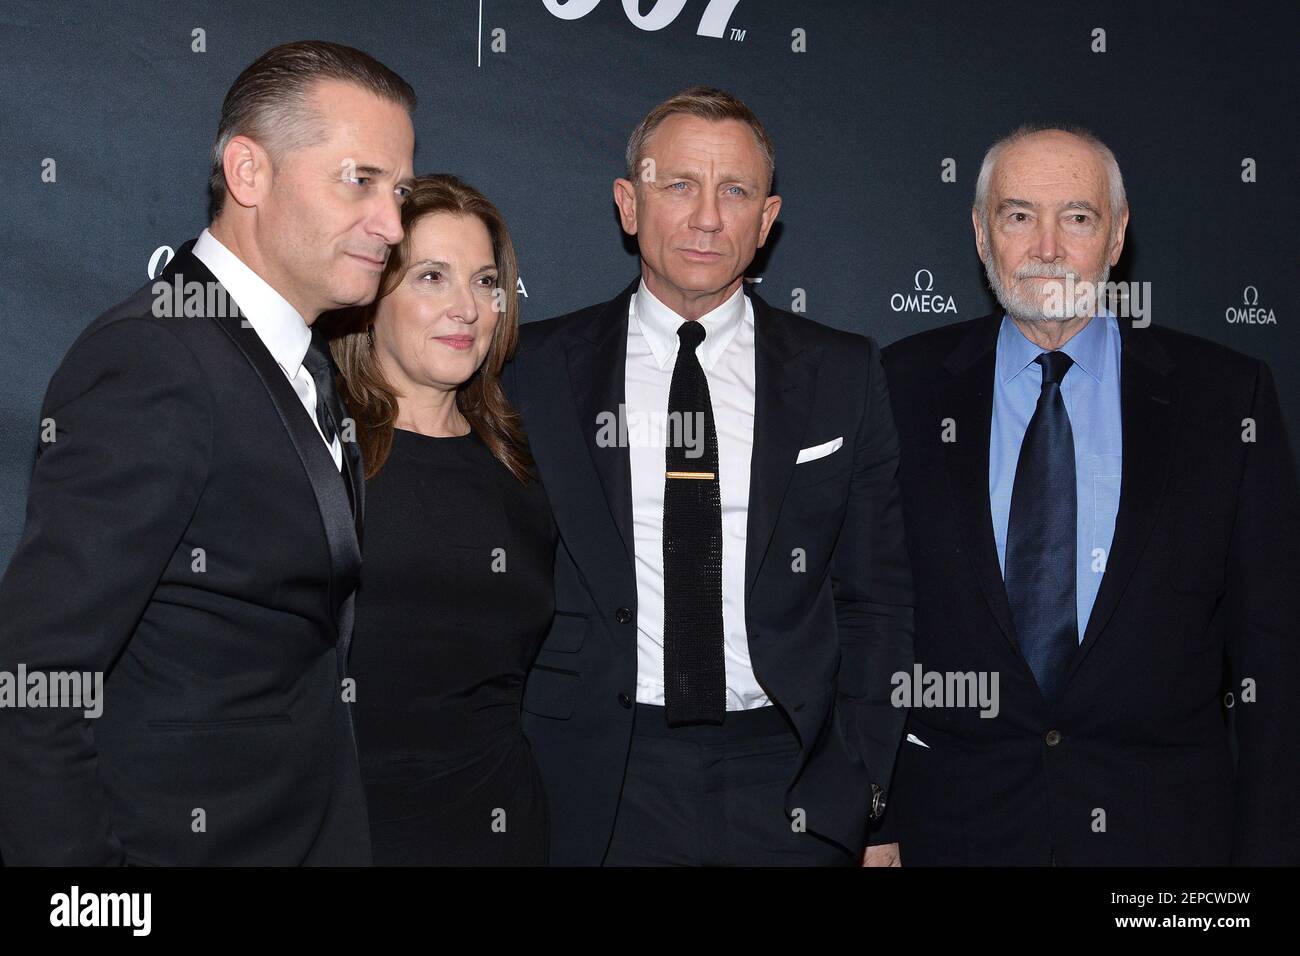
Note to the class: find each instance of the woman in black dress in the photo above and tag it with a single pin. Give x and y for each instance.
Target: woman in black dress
(456, 593)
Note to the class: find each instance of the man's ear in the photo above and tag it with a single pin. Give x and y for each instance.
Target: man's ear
(1121, 226)
(771, 207)
(625, 199)
(247, 167)
(981, 240)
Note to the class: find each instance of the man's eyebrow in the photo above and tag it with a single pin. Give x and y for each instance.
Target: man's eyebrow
(378, 172)
(1084, 205)
(736, 178)
(1072, 204)
(696, 175)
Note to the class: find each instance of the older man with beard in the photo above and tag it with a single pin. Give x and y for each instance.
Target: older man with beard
(1103, 516)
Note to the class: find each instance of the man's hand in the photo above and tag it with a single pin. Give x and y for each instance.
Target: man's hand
(884, 855)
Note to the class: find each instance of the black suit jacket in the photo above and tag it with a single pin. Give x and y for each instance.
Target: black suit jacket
(189, 535)
(1198, 596)
(823, 642)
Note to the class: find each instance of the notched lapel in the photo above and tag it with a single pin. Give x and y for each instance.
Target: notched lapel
(1148, 415)
(967, 399)
(784, 377)
(597, 377)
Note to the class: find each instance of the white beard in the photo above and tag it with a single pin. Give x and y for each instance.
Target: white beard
(1035, 307)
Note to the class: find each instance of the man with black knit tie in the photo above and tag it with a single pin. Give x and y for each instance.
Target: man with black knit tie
(193, 527)
(732, 587)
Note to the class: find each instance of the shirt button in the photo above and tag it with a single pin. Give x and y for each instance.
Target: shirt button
(1053, 737)
(625, 701)
(622, 615)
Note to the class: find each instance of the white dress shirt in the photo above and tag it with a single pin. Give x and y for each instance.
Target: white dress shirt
(282, 330)
(727, 356)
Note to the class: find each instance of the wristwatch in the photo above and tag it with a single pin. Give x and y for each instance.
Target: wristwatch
(877, 802)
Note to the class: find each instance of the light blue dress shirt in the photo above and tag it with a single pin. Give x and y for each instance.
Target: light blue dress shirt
(1091, 393)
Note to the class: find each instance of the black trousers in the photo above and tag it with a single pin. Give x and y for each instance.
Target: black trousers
(713, 795)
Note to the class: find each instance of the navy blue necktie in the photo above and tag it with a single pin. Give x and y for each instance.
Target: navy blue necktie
(1041, 538)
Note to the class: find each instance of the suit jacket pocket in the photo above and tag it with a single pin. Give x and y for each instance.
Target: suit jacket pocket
(568, 632)
(551, 692)
(826, 468)
(232, 723)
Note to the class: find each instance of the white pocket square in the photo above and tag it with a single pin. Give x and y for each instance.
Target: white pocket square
(913, 739)
(819, 451)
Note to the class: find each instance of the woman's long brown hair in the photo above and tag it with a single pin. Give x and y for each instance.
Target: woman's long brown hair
(372, 402)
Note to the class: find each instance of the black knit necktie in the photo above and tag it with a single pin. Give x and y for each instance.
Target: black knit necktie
(329, 409)
(1041, 536)
(695, 679)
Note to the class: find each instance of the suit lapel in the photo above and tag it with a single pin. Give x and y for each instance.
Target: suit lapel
(352, 462)
(1148, 405)
(1148, 412)
(597, 356)
(967, 399)
(784, 374)
(326, 480)
(352, 457)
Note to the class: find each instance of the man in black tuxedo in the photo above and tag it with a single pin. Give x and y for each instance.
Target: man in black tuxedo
(193, 521)
(732, 588)
(1104, 516)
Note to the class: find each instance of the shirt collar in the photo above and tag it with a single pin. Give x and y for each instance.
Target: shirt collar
(277, 323)
(1087, 348)
(659, 325)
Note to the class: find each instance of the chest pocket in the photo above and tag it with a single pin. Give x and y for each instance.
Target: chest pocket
(827, 468)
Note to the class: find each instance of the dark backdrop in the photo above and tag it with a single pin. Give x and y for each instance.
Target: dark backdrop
(866, 102)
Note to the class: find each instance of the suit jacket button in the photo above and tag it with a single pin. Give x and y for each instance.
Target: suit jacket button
(622, 615)
(625, 701)
(1053, 737)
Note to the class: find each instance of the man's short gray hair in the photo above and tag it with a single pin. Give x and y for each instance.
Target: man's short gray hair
(270, 100)
(704, 102)
(1115, 182)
